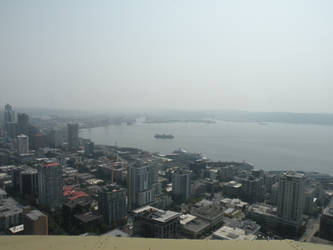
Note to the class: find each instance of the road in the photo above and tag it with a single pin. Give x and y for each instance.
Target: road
(311, 228)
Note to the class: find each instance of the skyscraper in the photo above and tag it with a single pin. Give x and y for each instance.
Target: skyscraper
(56, 138)
(73, 136)
(9, 114)
(23, 123)
(141, 178)
(89, 148)
(10, 124)
(22, 144)
(181, 185)
(112, 203)
(291, 198)
(50, 184)
(11, 129)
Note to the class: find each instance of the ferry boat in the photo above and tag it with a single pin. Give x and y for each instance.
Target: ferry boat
(163, 136)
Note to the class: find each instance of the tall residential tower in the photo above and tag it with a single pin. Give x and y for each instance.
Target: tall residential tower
(50, 184)
(73, 136)
(112, 203)
(141, 178)
(291, 199)
(181, 185)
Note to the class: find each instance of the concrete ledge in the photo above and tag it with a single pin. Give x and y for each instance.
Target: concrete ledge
(110, 243)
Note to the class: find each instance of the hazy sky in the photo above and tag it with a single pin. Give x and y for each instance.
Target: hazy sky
(258, 55)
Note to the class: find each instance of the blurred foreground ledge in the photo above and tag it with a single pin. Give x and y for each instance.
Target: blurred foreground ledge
(104, 242)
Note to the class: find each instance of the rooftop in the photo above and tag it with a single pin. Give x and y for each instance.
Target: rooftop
(72, 194)
(156, 214)
(232, 233)
(30, 170)
(9, 207)
(234, 202)
(207, 210)
(262, 209)
(233, 184)
(51, 164)
(294, 174)
(88, 217)
(35, 214)
(186, 218)
(116, 233)
(196, 225)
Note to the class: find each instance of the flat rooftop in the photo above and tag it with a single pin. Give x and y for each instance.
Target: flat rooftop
(156, 214)
(196, 225)
(35, 214)
(233, 233)
(186, 218)
(116, 233)
(294, 174)
(9, 207)
(262, 209)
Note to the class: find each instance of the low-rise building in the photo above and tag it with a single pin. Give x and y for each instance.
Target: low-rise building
(155, 223)
(234, 203)
(193, 227)
(232, 233)
(35, 223)
(210, 212)
(263, 214)
(88, 221)
(10, 213)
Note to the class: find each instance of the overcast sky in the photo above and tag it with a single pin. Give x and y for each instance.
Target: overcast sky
(257, 55)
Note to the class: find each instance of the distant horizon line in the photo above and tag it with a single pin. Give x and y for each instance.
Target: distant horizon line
(144, 110)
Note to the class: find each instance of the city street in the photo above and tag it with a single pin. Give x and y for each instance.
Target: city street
(311, 228)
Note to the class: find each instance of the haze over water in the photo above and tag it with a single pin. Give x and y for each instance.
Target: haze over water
(273, 146)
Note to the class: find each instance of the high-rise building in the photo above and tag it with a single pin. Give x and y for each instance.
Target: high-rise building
(9, 122)
(9, 114)
(28, 182)
(112, 203)
(291, 199)
(50, 184)
(23, 123)
(22, 144)
(38, 141)
(73, 136)
(11, 129)
(89, 148)
(253, 188)
(181, 185)
(141, 178)
(56, 138)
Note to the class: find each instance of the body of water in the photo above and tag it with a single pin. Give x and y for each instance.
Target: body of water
(273, 146)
